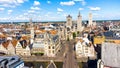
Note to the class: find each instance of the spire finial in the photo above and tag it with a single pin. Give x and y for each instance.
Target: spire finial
(79, 14)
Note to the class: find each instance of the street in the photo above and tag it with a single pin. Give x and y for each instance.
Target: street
(70, 61)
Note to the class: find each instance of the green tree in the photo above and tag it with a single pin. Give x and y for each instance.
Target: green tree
(74, 35)
(68, 39)
(78, 32)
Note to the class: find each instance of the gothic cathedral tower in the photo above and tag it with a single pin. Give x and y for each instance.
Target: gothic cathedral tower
(90, 20)
(79, 23)
(69, 22)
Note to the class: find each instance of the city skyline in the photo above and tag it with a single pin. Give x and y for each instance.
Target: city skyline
(57, 10)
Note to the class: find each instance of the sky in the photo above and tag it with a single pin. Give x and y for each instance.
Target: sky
(57, 10)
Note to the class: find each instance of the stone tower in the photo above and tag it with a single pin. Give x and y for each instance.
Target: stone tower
(79, 22)
(32, 32)
(69, 22)
(90, 20)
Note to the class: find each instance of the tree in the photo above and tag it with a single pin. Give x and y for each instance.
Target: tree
(68, 39)
(78, 32)
(74, 35)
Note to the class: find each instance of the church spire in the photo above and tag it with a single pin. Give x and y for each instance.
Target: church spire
(79, 14)
(79, 22)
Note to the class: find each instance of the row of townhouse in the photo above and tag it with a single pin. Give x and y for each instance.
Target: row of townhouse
(15, 47)
(44, 42)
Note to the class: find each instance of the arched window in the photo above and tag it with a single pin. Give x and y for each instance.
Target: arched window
(49, 47)
(53, 47)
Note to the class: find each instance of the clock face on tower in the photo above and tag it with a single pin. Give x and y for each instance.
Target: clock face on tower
(68, 19)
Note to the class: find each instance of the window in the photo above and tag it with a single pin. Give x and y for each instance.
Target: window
(86, 51)
(53, 47)
(52, 51)
(49, 47)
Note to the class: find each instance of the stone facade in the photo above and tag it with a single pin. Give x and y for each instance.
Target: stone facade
(90, 20)
(84, 49)
(79, 23)
(3, 49)
(69, 22)
(53, 46)
(22, 51)
(11, 49)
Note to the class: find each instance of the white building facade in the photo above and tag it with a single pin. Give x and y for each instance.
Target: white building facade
(84, 49)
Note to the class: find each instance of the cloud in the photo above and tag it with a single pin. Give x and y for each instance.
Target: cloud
(48, 14)
(94, 8)
(8, 5)
(36, 3)
(10, 11)
(11, 3)
(49, 2)
(81, 9)
(20, 15)
(96, 15)
(69, 3)
(12, 18)
(83, 2)
(64, 15)
(59, 10)
(20, 1)
(31, 11)
(21, 18)
(1, 9)
(78, 0)
(4, 18)
(25, 14)
(8, 1)
(35, 8)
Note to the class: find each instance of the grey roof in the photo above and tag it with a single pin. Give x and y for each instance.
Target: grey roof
(52, 65)
(10, 61)
(108, 34)
(111, 54)
(17, 64)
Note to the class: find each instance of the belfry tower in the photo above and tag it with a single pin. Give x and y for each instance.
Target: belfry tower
(79, 23)
(90, 20)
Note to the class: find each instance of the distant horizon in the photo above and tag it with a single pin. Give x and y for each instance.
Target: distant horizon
(54, 10)
(54, 21)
